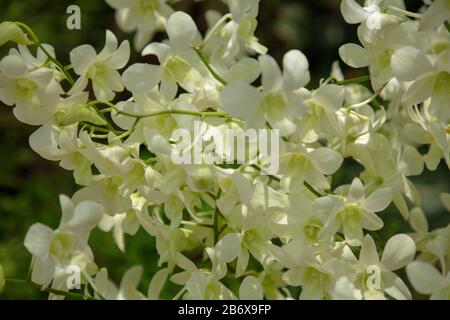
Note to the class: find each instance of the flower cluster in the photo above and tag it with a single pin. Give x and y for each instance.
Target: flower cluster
(272, 233)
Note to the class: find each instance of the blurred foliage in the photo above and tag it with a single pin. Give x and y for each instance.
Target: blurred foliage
(29, 185)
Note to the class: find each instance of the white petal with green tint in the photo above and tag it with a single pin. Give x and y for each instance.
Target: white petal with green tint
(352, 12)
(37, 240)
(9, 31)
(157, 284)
(370, 221)
(420, 90)
(228, 247)
(418, 220)
(247, 69)
(409, 63)
(44, 141)
(272, 78)
(369, 255)
(356, 192)
(326, 159)
(87, 215)
(239, 98)
(438, 13)
(395, 287)
(140, 78)
(251, 289)
(119, 58)
(354, 55)
(378, 200)
(13, 66)
(424, 277)
(398, 252)
(295, 70)
(82, 58)
(182, 30)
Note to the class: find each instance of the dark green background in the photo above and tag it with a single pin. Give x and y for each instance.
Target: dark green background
(29, 185)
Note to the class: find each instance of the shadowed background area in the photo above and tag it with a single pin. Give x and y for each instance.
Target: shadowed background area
(29, 185)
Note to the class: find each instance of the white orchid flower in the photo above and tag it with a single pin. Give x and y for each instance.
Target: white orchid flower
(310, 165)
(277, 101)
(32, 90)
(354, 212)
(101, 69)
(371, 16)
(375, 276)
(426, 279)
(143, 16)
(59, 247)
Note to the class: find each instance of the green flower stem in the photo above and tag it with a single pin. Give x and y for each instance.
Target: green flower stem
(179, 294)
(223, 229)
(163, 112)
(95, 127)
(44, 64)
(312, 190)
(68, 294)
(353, 80)
(38, 43)
(30, 269)
(216, 218)
(216, 27)
(368, 100)
(376, 104)
(208, 66)
(129, 131)
(101, 115)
